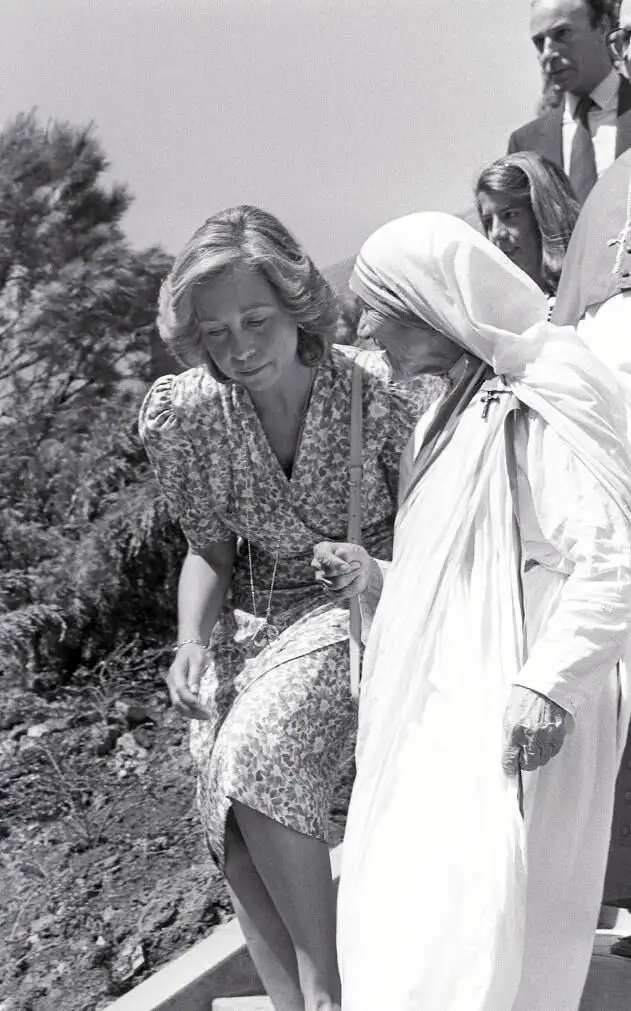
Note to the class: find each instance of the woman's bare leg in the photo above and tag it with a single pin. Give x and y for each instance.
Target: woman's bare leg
(268, 941)
(296, 872)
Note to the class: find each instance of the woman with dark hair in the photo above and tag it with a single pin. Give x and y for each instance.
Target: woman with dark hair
(528, 210)
(251, 447)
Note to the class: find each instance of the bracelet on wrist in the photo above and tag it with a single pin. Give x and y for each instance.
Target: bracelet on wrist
(189, 642)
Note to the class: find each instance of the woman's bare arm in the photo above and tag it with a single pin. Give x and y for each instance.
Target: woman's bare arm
(204, 581)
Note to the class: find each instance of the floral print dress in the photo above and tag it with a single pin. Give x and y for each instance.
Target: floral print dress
(283, 714)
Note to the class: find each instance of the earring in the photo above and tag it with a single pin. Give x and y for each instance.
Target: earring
(310, 348)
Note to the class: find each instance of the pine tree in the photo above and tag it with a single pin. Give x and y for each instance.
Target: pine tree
(82, 531)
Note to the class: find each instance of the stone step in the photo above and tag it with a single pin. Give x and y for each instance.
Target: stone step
(220, 964)
(242, 1004)
(608, 988)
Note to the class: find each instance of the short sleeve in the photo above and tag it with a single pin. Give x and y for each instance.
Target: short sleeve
(168, 433)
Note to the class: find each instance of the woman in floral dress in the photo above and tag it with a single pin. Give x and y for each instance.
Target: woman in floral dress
(251, 448)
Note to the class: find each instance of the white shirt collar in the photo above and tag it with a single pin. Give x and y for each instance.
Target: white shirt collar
(604, 94)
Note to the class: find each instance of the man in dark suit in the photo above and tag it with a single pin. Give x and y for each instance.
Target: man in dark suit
(591, 126)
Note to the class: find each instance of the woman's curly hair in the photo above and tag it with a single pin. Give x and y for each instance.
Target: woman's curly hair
(251, 238)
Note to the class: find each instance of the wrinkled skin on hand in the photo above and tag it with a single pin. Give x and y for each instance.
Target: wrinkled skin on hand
(342, 570)
(534, 730)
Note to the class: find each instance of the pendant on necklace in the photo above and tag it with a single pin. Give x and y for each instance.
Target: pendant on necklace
(265, 635)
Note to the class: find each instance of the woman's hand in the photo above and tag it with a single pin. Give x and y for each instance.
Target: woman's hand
(184, 678)
(342, 570)
(534, 730)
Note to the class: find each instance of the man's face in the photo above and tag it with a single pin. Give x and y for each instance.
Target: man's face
(625, 22)
(572, 51)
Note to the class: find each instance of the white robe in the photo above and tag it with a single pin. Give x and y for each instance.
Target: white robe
(575, 536)
(429, 918)
(606, 329)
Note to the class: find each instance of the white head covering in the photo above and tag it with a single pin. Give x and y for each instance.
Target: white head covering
(447, 640)
(436, 268)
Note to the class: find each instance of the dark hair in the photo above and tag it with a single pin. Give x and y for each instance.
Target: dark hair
(603, 12)
(253, 238)
(536, 180)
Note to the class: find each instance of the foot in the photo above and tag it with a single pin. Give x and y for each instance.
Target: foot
(622, 947)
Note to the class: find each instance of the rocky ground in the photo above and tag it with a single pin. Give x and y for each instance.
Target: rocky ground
(104, 872)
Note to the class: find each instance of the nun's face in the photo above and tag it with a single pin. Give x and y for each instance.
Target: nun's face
(410, 350)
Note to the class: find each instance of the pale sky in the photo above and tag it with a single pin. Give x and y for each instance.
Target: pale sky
(335, 115)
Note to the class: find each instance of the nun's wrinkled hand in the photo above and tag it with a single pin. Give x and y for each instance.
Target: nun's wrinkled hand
(342, 570)
(534, 730)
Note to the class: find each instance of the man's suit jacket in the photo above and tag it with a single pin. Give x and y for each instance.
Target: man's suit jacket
(545, 134)
(595, 267)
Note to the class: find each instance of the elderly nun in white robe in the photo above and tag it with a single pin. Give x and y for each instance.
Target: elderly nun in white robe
(493, 705)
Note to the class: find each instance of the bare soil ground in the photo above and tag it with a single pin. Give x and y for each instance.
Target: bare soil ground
(104, 872)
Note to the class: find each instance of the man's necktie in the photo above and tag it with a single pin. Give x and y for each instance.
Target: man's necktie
(583, 172)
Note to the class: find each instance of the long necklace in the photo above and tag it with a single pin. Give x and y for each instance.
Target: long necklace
(267, 632)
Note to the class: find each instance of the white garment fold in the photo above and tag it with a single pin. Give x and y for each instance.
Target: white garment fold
(434, 823)
(433, 820)
(484, 913)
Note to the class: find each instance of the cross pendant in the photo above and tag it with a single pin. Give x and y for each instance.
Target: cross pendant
(488, 398)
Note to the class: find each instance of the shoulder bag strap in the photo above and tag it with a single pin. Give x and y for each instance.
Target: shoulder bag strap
(511, 463)
(355, 518)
